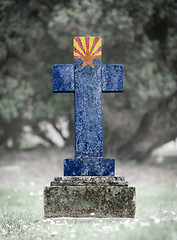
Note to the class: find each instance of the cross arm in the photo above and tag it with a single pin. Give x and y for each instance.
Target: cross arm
(63, 78)
(112, 78)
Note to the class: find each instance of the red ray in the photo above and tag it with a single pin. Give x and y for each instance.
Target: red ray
(77, 51)
(94, 43)
(77, 57)
(98, 56)
(78, 40)
(98, 50)
(87, 40)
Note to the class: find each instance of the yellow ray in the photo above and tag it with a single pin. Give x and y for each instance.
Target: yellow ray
(98, 54)
(97, 46)
(76, 45)
(77, 54)
(91, 43)
(83, 42)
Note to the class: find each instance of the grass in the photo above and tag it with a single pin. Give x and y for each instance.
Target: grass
(21, 216)
(21, 206)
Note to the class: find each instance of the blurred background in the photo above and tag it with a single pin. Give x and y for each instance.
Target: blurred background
(141, 35)
(37, 126)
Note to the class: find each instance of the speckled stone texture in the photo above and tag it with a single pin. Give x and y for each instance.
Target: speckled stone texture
(88, 110)
(89, 167)
(112, 78)
(88, 83)
(88, 187)
(89, 197)
(63, 78)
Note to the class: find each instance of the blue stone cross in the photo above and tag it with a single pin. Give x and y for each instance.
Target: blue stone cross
(88, 78)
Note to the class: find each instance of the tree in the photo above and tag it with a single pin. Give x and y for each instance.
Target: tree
(141, 35)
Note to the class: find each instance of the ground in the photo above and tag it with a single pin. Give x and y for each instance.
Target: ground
(23, 176)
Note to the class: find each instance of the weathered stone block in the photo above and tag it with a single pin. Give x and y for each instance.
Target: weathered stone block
(83, 196)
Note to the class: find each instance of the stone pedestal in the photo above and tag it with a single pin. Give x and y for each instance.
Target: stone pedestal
(87, 196)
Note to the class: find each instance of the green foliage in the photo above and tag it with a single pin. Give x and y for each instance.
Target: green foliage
(36, 34)
(15, 95)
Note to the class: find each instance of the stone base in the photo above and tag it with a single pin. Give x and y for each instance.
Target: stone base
(106, 197)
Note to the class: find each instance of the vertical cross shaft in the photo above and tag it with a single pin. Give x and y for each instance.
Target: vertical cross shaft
(88, 78)
(88, 111)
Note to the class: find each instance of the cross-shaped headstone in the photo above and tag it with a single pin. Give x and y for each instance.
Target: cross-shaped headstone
(88, 78)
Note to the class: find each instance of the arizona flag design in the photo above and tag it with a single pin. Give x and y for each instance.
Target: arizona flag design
(87, 49)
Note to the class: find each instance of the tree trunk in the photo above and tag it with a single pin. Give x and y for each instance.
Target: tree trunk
(155, 128)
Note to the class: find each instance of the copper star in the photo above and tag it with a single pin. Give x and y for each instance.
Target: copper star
(87, 60)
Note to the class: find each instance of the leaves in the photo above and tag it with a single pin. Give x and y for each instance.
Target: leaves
(36, 34)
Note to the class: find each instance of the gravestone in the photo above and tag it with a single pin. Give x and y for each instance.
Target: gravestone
(89, 187)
